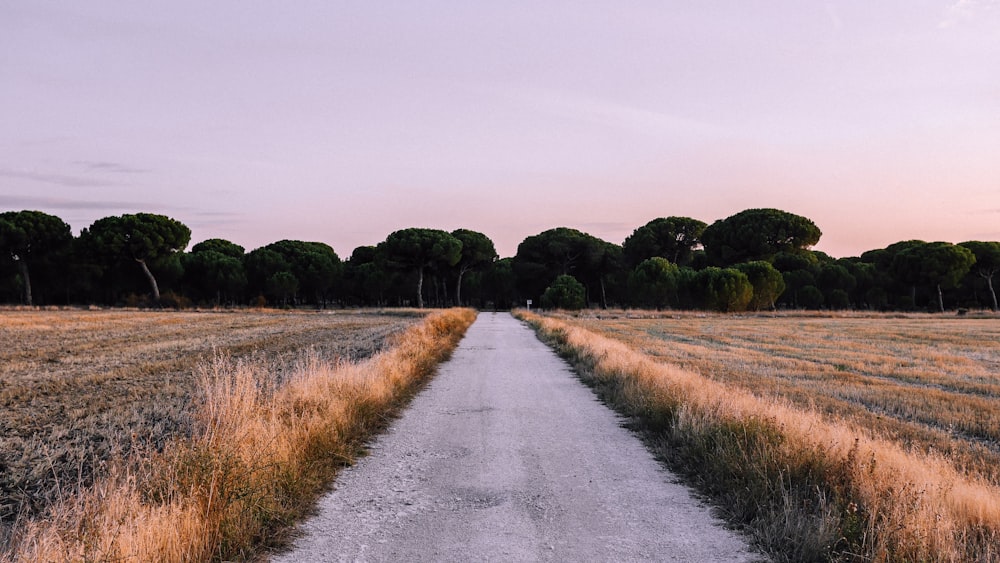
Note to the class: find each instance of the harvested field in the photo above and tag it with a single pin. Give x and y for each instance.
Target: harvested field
(77, 387)
(929, 382)
(764, 420)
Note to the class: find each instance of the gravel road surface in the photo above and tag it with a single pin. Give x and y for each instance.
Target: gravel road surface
(506, 456)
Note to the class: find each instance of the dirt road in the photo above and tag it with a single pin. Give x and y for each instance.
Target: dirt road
(506, 456)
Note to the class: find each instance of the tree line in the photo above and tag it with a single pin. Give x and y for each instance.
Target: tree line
(758, 259)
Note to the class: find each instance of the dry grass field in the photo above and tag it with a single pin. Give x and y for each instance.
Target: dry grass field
(259, 438)
(929, 382)
(80, 387)
(849, 438)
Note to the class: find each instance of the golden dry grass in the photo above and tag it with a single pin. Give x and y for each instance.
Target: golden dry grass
(78, 388)
(930, 382)
(261, 448)
(808, 485)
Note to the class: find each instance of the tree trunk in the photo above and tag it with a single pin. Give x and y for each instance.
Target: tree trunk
(458, 288)
(152, 280)
(993, 294)
(940, 299)
(604, 295)
(420, 287)
(23, 266)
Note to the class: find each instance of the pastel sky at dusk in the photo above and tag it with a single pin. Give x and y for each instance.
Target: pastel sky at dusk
(341, 122)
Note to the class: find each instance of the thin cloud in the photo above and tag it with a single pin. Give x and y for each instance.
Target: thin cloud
(113, 167)
(216, 218)
(214, 224)
(56, 179)
(220, 214)
(90, 167)
(31, 202)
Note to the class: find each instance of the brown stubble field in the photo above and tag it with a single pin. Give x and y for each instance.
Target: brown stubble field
(928, 382)
(80, 387)
(825, 437)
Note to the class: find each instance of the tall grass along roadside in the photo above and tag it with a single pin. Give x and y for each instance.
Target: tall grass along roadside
(262, 450)
(79, 388)
(929, 381)
(806, 487)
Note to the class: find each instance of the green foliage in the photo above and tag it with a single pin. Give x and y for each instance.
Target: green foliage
(883, 257)
(727, 290)
(420, 249)
(822, 257)
(477, 252)
(145, 238)
(499, 285)
(140, 237)
(260, 265)
(314, 266)
(221, 246)
(653, 283)
(33, 241)
(767, 282)
(367, 280)
(886, 279)
(565, 293)
(25, 235)
(838, 300)
(462, 266)
(541, 258)
(688, 292)
(284, 285)
(798, 270)
(938, 265)
(798, 260)
(757, 234)
(836, 278)
(865, 281)
(673, 238)
(477, 249)
(213, 276)
(987, 264)
(877, 298)
(608, 274)
(987, 256)
(214, 271)
(810, 297)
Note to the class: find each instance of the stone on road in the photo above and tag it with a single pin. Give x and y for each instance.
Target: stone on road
(506, 456)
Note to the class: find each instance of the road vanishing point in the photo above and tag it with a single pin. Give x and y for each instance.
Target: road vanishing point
(507, 456)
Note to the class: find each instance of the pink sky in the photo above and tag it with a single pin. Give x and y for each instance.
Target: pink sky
(344, 121)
